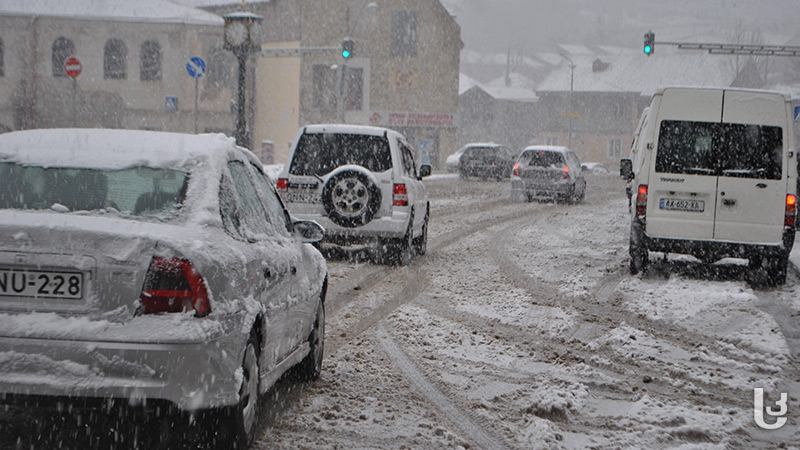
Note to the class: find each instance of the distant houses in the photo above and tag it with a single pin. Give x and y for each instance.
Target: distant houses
(590, 99)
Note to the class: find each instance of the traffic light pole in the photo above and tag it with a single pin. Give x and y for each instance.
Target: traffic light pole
(723, 49)
(737, 49)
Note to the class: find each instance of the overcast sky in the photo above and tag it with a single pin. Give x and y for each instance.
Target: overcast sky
(537, 25)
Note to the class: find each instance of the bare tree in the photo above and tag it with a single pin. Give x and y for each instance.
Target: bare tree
(738, 64)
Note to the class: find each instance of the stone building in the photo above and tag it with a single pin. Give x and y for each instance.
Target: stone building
(403, 75)
(133, 58)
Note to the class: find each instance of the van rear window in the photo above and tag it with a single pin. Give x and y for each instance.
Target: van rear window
(321, 153)
(720, 149)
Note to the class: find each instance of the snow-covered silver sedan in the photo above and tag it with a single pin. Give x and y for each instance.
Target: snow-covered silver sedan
(154, 268)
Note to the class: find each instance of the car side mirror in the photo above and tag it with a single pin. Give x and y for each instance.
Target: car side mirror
(425, 170)
(308, 231)
(626, 169)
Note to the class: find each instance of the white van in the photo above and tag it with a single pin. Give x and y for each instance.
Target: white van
(713, 174)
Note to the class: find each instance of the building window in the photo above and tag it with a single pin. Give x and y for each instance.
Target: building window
(324, 89)
(62, 49)
(614, 148)
(355, 89)
(404, 33)
(115, 59)
(150, 61)
(2, 70)
(218, 69)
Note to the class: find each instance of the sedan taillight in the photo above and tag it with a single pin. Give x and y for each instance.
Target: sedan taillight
(515, 171)
(173, 285)
(565, 172)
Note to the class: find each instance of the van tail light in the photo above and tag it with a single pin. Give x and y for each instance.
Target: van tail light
(515, 172)
(400, 197)
(565, 174)
(641, 201)
(282, 185)
(174, 285)
(791, 210)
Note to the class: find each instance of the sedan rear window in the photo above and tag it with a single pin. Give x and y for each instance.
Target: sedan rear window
(542, 159)
(137, 191)
(321, 153)
(720, 149)
(481, 153)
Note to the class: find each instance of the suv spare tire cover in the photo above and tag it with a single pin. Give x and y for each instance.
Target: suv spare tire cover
(351, 198)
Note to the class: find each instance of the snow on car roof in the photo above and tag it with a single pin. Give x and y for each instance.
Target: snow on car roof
(349, 129)
(549, 148)
(108, 149)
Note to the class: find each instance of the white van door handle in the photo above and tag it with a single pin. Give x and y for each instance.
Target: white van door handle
(761, 185)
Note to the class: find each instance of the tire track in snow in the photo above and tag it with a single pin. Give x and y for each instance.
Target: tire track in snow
(469, 430)
(607, 314)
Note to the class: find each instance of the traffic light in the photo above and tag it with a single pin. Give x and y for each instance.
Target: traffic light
(649, 43)
(348, 45)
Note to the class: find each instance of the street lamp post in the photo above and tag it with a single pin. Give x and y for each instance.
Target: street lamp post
(571, 97)
(242, 37)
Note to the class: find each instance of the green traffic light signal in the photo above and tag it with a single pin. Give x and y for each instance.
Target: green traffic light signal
(649, 43)
(348, 45)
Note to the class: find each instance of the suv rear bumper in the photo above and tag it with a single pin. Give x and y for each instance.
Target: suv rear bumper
(391, 227)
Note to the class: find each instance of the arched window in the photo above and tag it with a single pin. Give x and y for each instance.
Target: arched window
(115, 59)
(62, 49)
(150, 61)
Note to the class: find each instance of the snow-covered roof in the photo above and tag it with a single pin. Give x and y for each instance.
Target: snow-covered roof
(520, 88)
(158, 11)
(635, 72)
(465, 83)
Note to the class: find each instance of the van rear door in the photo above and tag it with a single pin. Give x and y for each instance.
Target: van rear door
(682, 189)
(753, 166)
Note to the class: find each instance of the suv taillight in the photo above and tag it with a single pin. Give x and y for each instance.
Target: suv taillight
(400, 197)
(641, 201)
(173, 285)
(791, 210)
(282, 185)
(565, 174)
(515, 172)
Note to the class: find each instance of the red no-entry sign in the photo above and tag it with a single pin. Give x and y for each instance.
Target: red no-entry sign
(72, 67)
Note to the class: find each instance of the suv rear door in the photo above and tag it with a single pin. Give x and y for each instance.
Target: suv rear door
(752, 183)
(682, 188)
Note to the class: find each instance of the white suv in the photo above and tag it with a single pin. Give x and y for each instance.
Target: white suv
(363, 185)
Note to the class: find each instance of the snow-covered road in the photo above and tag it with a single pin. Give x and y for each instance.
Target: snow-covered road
(522, 328)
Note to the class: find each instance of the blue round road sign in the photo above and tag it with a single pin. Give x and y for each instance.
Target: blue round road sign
(196, 67)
